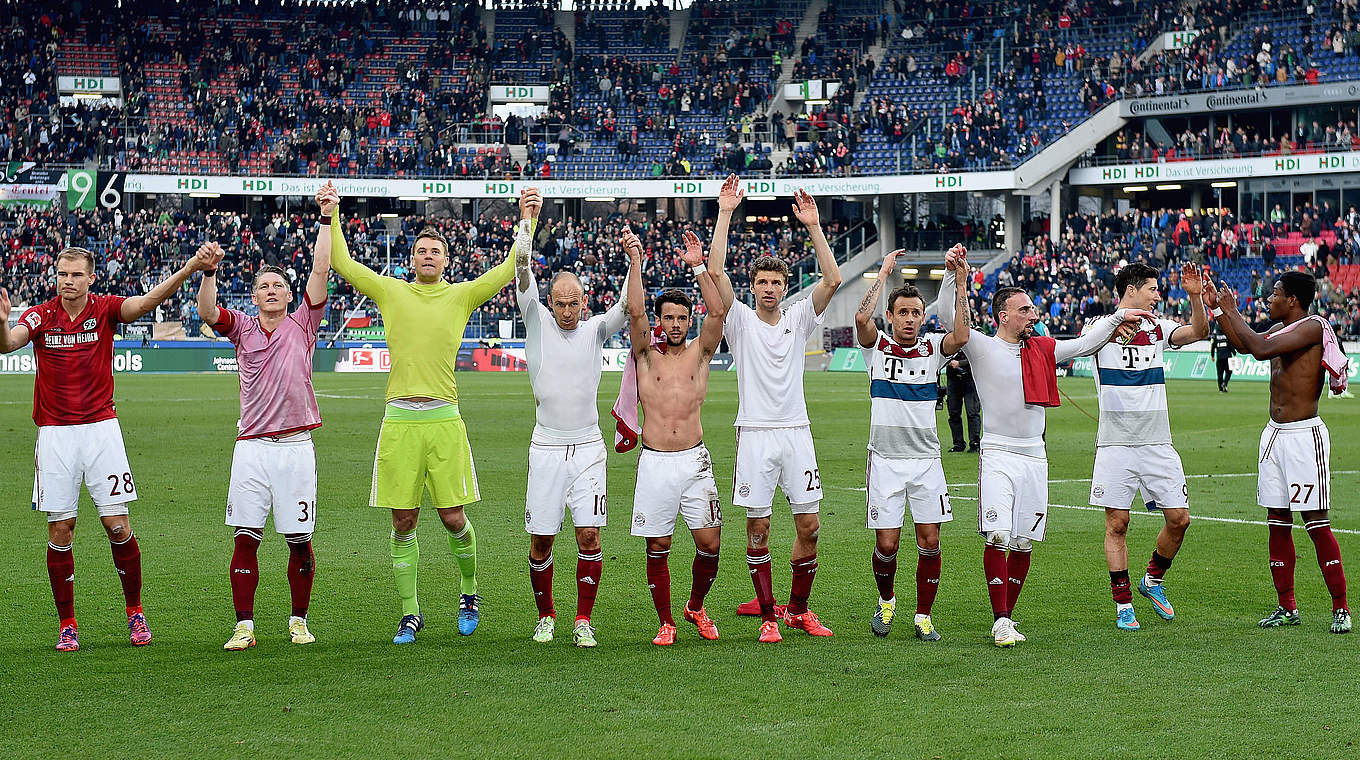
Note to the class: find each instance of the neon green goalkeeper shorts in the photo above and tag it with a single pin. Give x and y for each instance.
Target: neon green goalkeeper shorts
(419, 450)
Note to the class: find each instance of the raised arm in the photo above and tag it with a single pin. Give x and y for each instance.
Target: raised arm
(497, 277)
(136, 307)
(1198, 329)
(1098, 335)
(1248, 341)
(364, 280)
(865, 330)
(639, 328)
(328, 198)
(963, 316)
(207, 286)
(728, 199)
(11, 339)
(710, 334)
(805, 208)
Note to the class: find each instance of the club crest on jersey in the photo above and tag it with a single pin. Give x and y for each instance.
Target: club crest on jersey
(921, 350)
(89, 324)
(1147, 337)
(33, 319)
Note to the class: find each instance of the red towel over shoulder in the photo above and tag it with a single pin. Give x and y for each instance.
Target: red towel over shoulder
(1039, 371)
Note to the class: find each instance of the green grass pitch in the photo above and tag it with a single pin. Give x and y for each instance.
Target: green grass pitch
(1209, 684)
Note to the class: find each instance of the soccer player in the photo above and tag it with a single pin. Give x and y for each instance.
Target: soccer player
(1013, 467)
(1133, 439)
(1294, 474)
(79, 439)
(567, 453)
(774, 436)
(423, 443)
(675, 471)
(274, 464)
(904, 450)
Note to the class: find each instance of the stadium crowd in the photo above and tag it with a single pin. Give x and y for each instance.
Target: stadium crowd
(365, 107)
(1071, 281)
(1130, 143)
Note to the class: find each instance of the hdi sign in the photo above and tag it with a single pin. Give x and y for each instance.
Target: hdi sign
(1237, 168)
(518, 93)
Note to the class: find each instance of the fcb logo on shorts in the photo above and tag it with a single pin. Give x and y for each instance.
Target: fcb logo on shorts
(526, 517)
(991, 515)
(744, 490)
(639, 520)
(1097, 492)
(873, 513)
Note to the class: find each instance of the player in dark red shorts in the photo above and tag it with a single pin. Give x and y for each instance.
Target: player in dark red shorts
(78, 434)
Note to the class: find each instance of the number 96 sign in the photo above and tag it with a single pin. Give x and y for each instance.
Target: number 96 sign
(84, 188)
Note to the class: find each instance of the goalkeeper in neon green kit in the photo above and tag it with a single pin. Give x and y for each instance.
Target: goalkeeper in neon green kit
(423, 443)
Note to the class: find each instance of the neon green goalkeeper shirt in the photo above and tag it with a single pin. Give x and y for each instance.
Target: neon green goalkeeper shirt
(424, 323)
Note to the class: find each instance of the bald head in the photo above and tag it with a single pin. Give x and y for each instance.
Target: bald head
(566, 297)
(565, 279)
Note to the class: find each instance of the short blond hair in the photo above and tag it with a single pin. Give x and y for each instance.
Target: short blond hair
(76, 252)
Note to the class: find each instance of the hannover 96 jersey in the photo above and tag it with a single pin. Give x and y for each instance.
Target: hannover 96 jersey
(74, 385)
(903, 389)
(1131, 384)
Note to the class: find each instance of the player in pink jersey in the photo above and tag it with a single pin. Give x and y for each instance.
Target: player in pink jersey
(78, 434)
(274, 464)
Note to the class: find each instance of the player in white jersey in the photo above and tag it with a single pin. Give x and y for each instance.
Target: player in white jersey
(774, 436)
(273, 466)
(567, 452)
(904, 450)
(1013, 467)
(1133, 442)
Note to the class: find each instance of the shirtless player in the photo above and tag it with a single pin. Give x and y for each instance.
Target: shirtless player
(1294, 472)
(675, 471)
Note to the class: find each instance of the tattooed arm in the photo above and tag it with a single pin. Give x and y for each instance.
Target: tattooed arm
(963, 314)
(865, 330)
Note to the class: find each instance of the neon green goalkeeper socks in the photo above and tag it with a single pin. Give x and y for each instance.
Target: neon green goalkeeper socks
(405, 559)
(464, 546)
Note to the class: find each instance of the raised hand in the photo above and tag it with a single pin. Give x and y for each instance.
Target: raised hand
(530, 203)
(805, 208)
(1210, 294)
(694, 249)
(218, 254)
(205, 258)
(954, 256)
(889, 262)
(632, 245)
(961, 270)
(328, 198)
(731, 194)
(1191, 281)
(1227, 300)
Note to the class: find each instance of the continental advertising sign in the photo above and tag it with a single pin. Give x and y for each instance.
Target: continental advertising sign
(1231, 168)
(422, 189)
(1239, 100)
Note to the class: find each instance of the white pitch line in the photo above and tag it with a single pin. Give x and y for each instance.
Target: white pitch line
(1193, 517)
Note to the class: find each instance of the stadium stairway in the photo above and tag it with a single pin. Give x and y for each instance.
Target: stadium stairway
(679, 27)
(806, 28)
